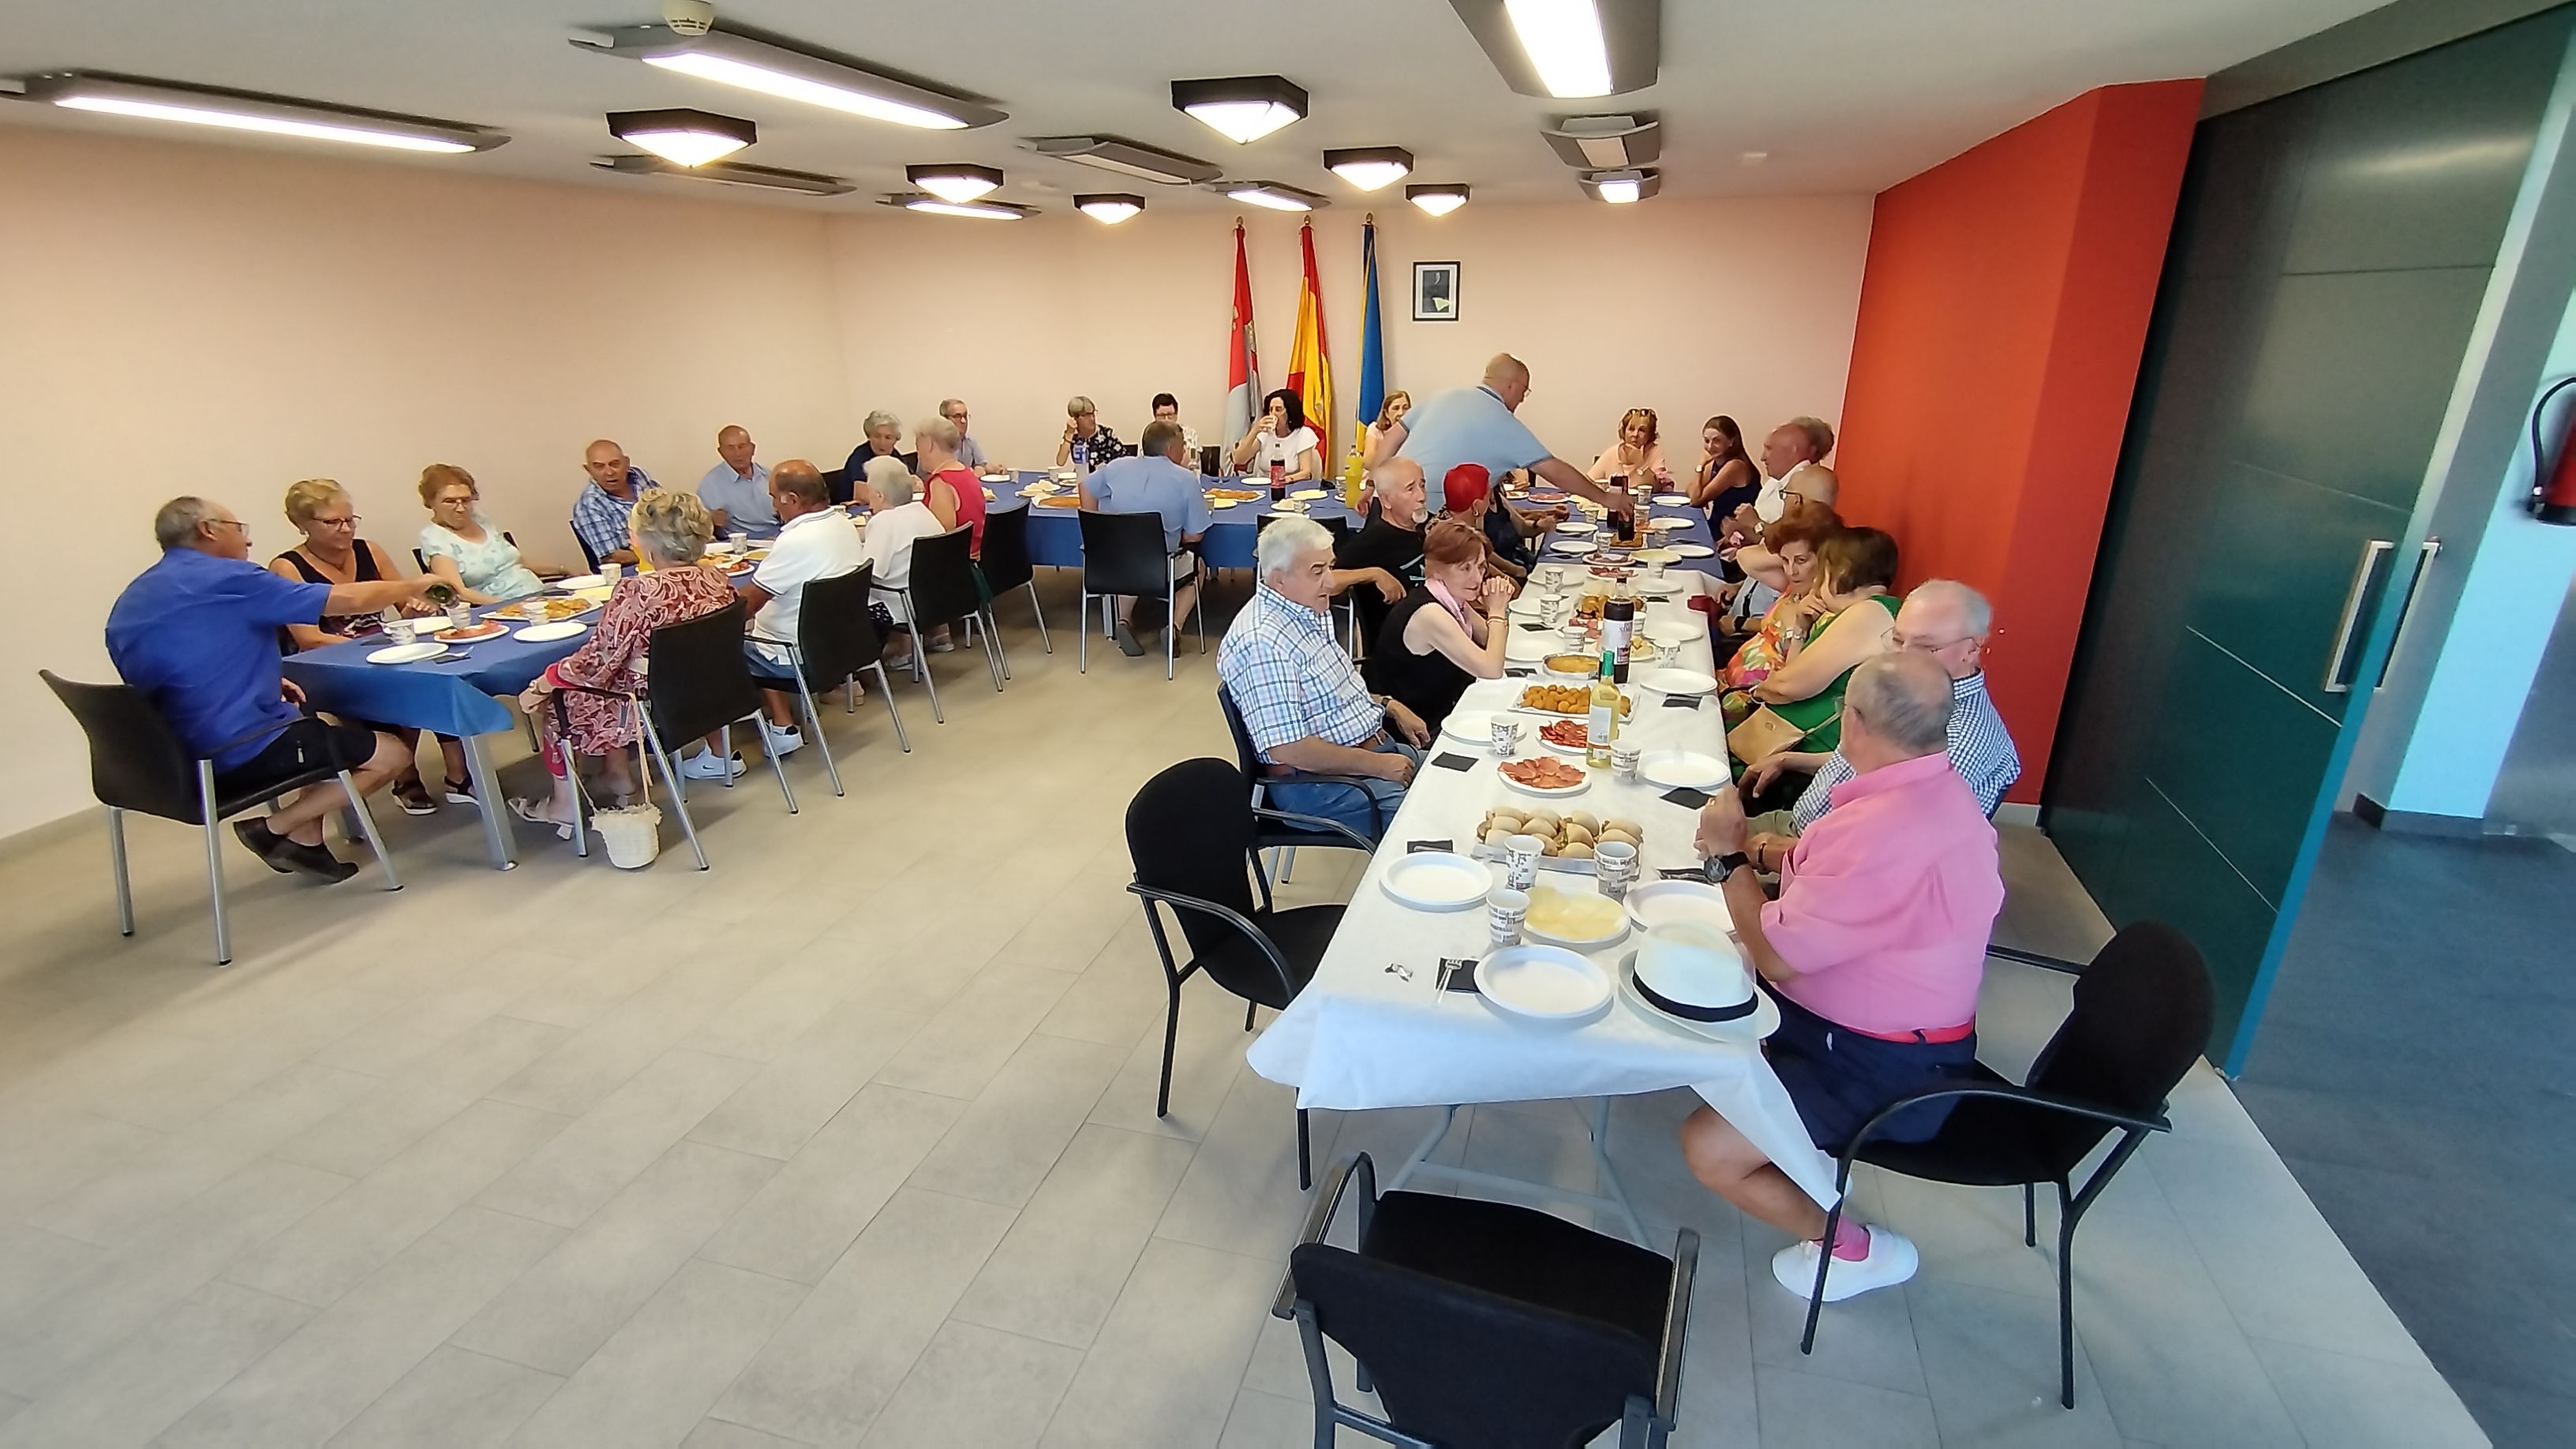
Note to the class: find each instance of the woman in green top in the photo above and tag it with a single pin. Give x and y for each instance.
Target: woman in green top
(1855, 618)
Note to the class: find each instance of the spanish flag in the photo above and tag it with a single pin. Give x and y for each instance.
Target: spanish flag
(1310, 375)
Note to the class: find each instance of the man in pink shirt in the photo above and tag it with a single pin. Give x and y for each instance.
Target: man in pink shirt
(1874, 950)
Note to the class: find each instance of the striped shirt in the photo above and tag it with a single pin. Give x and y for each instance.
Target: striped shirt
(1283, 669)
(1980, 750)
(599, 516)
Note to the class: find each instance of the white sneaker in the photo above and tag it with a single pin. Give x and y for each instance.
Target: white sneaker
(705, 766)
(1891, 1261)
(780, 742)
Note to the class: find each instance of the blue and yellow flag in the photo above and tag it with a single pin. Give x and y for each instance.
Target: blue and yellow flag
(1372, 364)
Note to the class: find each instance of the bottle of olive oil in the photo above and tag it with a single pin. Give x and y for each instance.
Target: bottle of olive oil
(1604, 725)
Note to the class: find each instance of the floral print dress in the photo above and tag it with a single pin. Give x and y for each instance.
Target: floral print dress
(610, 658)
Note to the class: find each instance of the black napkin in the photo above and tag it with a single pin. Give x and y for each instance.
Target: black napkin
(1457, 975)
(1454, 762)
(1519, 672)
(1540, 628)
(1687, 798)
(1685, 872)
(1417, 846)
(1681, 701)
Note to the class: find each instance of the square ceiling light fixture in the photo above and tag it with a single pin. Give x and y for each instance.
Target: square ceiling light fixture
(980, 210)
(1127, 158)
(1437, 198)
(1606, 143)
(732, 173)
(1112, 207)
(1621, 187)
(1242, 108)
(771, 65)
(151, 100)
(1272, 194)
(955, 181)
(691, 138)
(1569, 48)
(1370, 168)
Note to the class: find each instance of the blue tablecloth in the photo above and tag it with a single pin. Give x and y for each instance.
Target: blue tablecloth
(454, 697)
(1697, 532)
(1055, 534)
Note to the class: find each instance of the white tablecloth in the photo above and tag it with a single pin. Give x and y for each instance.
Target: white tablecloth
(1359, 1037)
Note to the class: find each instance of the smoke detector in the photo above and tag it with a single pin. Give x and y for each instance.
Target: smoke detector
(689, 17)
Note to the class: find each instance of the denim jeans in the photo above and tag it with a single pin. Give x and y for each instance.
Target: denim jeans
(1367, 807)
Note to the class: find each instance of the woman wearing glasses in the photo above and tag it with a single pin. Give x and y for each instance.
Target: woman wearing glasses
(332, 553)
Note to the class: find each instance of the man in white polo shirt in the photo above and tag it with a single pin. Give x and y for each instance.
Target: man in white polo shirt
(815, 541)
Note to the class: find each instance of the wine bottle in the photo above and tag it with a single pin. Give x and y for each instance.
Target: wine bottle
(1604, 724)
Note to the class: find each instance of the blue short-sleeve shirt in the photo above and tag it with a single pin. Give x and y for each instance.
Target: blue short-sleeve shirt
(1470, 425)
(198, 635)
(1136, 484)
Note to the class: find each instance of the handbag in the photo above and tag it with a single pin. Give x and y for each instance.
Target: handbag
(1766, 732)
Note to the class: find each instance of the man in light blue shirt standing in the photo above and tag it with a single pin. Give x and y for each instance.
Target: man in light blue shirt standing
(1478, 425)
(1156, 479)
(737, 489)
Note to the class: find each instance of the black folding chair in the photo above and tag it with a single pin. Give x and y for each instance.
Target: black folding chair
(1123, 553)
(1276, 830)
(943, 589)
(1190, 834)
(836, 638)
(137, 764)
(2142, 1014)
(1006, 567)
(697, 683)
(587, 555)
(1488, 1324)
(840, 483)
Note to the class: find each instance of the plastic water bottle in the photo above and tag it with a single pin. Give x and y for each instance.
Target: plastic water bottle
(1081, 456)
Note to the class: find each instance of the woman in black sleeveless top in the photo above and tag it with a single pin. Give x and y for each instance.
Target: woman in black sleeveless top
(332, 553)
(1448, 632)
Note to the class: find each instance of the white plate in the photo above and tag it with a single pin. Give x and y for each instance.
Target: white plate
(1435, 880)
(560, 629)
(1227, 503)
(1655, 587)
(1685, 625)
(1655, 555)
(1473, 726)
(1677, 681)
(1556, 794)
(579, 582)
(1682, 769)
(1309, 494)
(1666, 525)
(1657, 903)
(1542, 983)
(1528, 646)
(1694, 550)
(1528, 606)
(1545, 743)
(1576, 547)
(406, 653)
(1618, 931)
(1575, 526)
(1289, 505)
(1744, 1030)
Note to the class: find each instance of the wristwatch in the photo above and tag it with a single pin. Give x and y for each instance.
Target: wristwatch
(1718, 869)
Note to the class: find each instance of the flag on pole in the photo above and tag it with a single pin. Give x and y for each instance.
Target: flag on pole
(1242, 364)
(1310, 373)
(1372, 364)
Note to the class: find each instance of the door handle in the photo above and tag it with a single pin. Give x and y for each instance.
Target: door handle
(2371, 553)
(2424, 557)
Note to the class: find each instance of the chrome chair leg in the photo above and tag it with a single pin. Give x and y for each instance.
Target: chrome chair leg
(724, 754)
(1040, 611)
(214, 860)
(679, 797)
(814, 722)
(367, 827)
(992, 654)
(1082, 637)
(124, 879)
(892, 713)
(778, 767)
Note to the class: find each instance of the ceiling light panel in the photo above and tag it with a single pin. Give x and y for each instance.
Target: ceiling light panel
(978, 210)
(1370, 168)
(1272, 194)
(1127, 158)
(1619, 188)
(1563, 40)
(1242, 108)
(1437, 198)
(1112, 207)
(955, 181)
(1606, 143)
(689, 137)
(775, 67)
(732, 173)
(152, 100)
(1569, 48)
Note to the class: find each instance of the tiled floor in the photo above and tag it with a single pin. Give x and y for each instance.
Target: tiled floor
(852, 1141)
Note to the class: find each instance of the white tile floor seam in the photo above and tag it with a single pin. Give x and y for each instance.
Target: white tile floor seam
(852, 1140)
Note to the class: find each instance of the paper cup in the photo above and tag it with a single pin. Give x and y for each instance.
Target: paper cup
(1506, 911)
(403, 631)
(1506, 735)
(1520, 862)
(460, 615)
(1624, 754)
(1614, 868)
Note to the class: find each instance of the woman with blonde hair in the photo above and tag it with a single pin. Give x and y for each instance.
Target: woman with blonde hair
(1640, 449)
(671, 529)
(333, 553)
(1380, 445)
(461, 545)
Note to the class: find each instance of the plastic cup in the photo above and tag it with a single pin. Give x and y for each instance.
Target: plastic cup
(1506, 911)
(1614, 868)
(1624, 754)
(403, 631)
(1520, 862)
(1506, 735)
(460, 615)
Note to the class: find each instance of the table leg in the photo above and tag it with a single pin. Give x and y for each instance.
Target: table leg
(1610, 1187)
(497, 835)
(1611, 1200)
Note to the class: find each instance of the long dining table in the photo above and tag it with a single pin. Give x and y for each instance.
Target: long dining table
(1055, 529)
(1362, 1035)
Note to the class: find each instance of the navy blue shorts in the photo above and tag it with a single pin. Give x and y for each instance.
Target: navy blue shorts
(1840, 1078)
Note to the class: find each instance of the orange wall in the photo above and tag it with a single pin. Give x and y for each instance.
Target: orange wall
(2002, 312)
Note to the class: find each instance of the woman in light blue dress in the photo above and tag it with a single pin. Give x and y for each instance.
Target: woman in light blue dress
(461, 546)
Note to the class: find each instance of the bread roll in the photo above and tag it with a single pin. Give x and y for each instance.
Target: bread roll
(1578, 851)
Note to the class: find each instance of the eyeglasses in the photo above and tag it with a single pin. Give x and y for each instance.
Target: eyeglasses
(349, 522)
(229, 523)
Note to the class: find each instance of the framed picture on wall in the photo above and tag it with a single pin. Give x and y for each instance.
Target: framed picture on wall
(1435, 291)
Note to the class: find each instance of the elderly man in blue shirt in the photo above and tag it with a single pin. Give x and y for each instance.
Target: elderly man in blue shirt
(969, 452)
(1480, 425)
(197, 633)
(1157, 478)
(599, 513)
(736, 490)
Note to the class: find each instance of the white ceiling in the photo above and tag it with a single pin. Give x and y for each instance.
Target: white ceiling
(1845, 95)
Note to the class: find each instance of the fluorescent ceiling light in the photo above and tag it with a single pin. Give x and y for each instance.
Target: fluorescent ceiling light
(954, 181)
(758, 62)
(1564, 40)
(981, 210)
(1437, 198)
(732, 173)
(1370, 167)
(1112, 207)
(1127, 158)
(692, 138)
(1272, 195)
(1568, 48)
(1622, 187)
(1618, 192)
(1242, 108)
(246, 111)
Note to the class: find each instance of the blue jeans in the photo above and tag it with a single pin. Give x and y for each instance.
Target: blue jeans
(1367, 807)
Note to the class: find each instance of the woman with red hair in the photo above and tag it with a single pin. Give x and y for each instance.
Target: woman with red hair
(1447, 633)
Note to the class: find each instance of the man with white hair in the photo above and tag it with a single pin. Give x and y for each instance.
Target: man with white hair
(969, 452)
(1793, 462)
(1874, 951)
(1948, 621)
(1478, 425)
(1302, 701)
(885, 435)
(736, 490)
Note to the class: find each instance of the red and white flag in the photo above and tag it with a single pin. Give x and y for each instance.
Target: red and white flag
(1242, 363)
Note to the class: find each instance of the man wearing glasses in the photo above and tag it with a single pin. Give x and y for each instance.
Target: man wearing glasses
(1948, 621)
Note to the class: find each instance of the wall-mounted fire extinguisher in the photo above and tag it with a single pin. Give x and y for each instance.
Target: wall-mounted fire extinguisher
(2553, 489)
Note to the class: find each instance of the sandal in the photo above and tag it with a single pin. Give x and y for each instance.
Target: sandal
(414, 798)
(528, 811)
